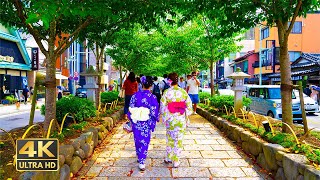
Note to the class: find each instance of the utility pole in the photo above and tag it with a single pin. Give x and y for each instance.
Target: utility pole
(260, 56)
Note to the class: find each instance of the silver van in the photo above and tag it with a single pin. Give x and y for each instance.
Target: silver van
(266, 100)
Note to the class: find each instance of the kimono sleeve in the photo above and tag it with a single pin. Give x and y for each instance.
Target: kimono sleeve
(132, 104)
(154, 107)
(188, 103)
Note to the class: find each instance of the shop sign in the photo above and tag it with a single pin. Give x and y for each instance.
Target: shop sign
(35, 58)
(6, 58)
(294, 78)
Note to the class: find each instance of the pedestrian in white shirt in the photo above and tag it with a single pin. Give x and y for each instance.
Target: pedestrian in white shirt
(193, 90)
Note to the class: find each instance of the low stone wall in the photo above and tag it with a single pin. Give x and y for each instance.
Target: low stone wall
(81, 148)
(272, 157)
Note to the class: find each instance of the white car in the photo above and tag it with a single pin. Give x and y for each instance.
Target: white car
(311, 106)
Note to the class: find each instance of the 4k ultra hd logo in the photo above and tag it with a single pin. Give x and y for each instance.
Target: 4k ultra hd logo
(37, 155)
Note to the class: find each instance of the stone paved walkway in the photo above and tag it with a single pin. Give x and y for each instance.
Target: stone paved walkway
(207, 155)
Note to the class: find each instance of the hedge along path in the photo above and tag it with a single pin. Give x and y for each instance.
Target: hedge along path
(206, 154)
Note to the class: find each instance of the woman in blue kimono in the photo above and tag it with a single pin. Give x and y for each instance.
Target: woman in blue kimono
(143, 114)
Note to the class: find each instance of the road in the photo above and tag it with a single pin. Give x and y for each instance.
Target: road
(18, 119)
(314, 121)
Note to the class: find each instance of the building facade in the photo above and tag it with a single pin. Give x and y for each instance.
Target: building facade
(304, 38)
(14, 62)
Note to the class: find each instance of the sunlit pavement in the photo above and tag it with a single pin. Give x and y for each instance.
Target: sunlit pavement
(207, 154)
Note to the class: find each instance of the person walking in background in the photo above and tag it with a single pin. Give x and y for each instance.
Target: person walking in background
(193, 90)
(175, 106)
(59, 92)
(143, 115)
(156, 88)
(25, 93)
(130, 87)
(164, 83)
(139, 83)
(182, 83)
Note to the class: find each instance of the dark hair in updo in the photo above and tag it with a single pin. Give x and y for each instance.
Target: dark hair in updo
(132, 77)
(174, 78)
(148, 83)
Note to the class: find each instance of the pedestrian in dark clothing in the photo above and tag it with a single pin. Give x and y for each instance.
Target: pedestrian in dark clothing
(25, 93)
(59, 92)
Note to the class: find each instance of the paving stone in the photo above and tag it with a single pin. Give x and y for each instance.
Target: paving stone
(215, 131)
(157, 147)
(197, 147)
(206, 155)
(128, 162)
(130, 148)
(188, 141)
(234, 154)
(225, 147)
(160, 132)
(104, 161)
(222, 141)
(115, 171)
(250, 172)
(105, 153)
(152, 172)
(160, 136)
(121, 178)
(227, 172)
(125, 154)
(190, 172)
(94, 171)
(200, 132)
(206, 141)
(160, 163)
(156, 154)
(158, 141)
(235, 163)
(215, 154)
(214, 178)
(190, 154)
(206, 163)
(194, 136)
(213, 136)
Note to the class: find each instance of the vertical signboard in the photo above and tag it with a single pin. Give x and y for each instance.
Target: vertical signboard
(35, 58)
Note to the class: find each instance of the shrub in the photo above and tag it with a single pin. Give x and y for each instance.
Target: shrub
(203, 96)
(80, 107)
(220, 101)
(11, 99)
(108, 97)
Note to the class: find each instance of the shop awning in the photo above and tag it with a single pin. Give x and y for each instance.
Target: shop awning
(58, 76)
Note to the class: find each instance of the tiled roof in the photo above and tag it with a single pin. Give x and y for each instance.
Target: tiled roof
(314, 58)
(249, 53)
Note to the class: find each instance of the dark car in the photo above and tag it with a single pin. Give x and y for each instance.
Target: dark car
(81, 93)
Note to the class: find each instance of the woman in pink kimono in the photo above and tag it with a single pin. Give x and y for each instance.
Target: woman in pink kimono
(175, 107)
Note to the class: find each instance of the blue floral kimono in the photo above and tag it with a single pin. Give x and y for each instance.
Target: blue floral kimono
(142, 129)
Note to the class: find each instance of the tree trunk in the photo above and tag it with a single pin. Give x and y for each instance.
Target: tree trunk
(286, 83)
(211, 79)
(50, 90)
(121, 77)
(33, 102)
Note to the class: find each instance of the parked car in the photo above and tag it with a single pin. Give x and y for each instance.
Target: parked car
(311, 106)
(81, 92)
(266, 100)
